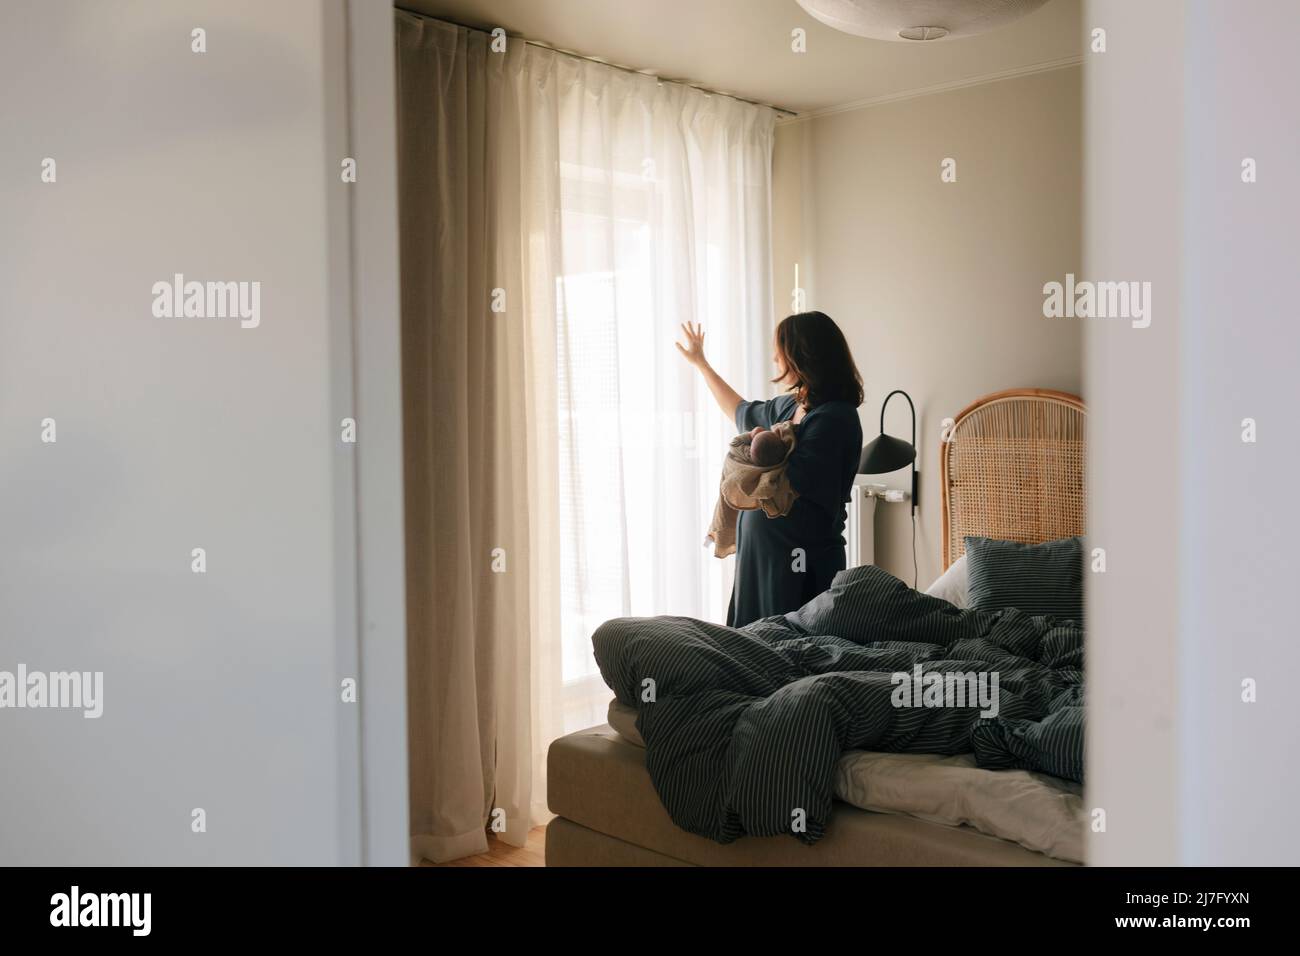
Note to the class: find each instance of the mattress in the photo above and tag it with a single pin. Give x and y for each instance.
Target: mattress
(1039, 812)
(608, 814)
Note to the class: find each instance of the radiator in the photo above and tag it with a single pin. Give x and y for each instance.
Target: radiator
(860, 528)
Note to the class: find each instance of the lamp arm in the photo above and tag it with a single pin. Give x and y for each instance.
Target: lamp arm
(885, 404)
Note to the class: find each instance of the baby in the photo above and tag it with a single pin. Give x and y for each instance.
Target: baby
(765, 448)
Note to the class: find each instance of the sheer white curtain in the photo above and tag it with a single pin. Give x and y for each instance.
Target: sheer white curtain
(664, 218)
(560, 218)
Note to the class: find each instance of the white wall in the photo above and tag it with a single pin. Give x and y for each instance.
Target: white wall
(1134, 225)
(221, 689)
(1239, 501)
(938, 286)
(1199, 525)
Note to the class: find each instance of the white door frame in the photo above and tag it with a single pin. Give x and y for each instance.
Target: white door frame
(366, 386)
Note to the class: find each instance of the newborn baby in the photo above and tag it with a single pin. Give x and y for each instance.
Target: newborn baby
(765, 448)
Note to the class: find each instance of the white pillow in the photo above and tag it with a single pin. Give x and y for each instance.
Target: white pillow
(952, 584)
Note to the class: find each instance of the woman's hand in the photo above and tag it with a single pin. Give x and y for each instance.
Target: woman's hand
(693, 350)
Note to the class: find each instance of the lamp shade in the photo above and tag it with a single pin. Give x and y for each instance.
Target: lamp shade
(884, 454)
(918, 19)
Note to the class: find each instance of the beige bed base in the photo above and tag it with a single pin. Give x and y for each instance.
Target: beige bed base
(608, 814)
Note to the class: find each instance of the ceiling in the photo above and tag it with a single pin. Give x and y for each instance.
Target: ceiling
(742, 47)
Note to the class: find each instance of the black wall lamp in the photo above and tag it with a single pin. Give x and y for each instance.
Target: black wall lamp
(886, 453)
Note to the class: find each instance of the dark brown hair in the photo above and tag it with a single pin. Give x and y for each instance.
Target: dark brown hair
(815, 353)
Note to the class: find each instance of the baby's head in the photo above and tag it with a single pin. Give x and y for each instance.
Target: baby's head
(765, 448)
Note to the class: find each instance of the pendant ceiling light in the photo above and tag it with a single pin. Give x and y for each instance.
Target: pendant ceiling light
(918, 19)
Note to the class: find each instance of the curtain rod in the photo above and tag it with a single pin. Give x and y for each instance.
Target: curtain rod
(591, 59)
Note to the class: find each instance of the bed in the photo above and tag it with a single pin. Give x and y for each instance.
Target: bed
(1012, 467)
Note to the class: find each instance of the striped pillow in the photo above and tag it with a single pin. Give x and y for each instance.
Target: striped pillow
(1044, 579)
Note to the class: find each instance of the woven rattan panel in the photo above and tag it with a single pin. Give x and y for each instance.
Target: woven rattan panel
(1013, 469)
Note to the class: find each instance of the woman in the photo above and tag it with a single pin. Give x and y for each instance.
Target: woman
(781, 563)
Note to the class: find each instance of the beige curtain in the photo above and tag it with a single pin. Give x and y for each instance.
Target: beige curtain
(479, 433)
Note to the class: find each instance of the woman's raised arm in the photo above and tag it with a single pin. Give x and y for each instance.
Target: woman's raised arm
(693, 351)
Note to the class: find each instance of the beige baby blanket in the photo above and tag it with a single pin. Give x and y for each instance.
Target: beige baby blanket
(746, 486)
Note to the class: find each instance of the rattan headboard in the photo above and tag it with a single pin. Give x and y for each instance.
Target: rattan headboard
(1012, 467)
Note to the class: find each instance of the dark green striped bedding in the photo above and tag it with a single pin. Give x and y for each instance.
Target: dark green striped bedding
(743, 727)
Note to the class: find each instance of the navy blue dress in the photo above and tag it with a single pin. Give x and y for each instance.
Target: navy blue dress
(771, 578)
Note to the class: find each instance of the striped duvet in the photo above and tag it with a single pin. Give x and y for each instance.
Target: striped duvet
(743, 727)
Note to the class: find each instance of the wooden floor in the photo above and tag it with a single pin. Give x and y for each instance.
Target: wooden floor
(502, 854)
